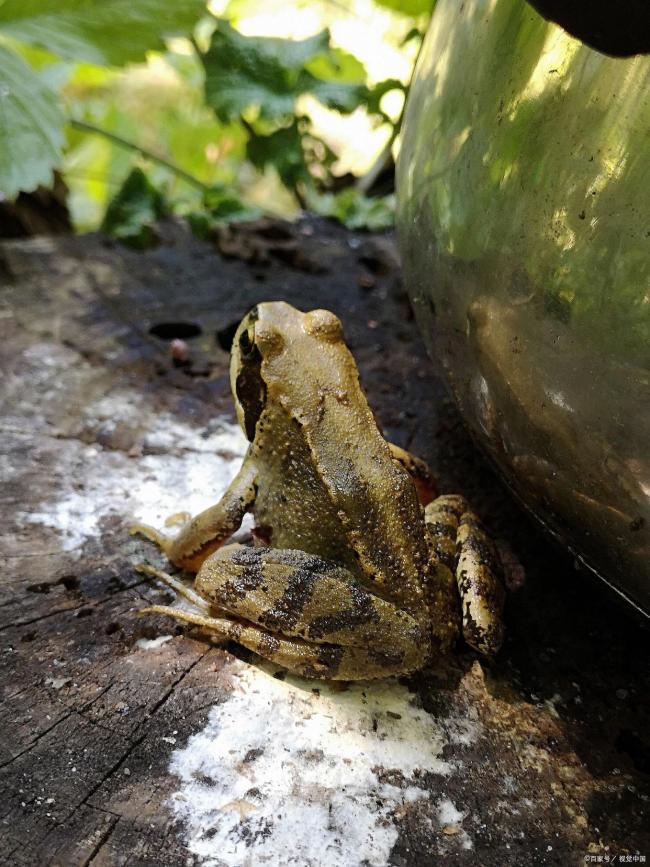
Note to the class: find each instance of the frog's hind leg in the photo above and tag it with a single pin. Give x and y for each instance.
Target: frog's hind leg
(462, 544)
(325, 661)
(311, 615)
(300, 611)
(201, 536)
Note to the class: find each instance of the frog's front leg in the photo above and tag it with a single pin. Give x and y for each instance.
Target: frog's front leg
(207, 531)
(307, 614)
(462, 545)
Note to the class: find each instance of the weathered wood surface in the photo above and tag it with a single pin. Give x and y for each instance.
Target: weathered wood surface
(557, 766)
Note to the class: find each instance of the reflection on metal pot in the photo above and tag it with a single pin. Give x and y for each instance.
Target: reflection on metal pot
(524, 221)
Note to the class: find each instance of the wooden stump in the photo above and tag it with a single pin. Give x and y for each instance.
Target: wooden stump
(540, 758)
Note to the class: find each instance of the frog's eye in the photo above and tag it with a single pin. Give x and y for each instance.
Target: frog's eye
(269, 341)
(247, 341)
(322, 323)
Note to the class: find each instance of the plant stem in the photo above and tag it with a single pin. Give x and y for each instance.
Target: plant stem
(366, 181)
(147, 154)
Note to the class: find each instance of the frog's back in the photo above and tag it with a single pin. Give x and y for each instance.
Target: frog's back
(328, 482)
(294, 507)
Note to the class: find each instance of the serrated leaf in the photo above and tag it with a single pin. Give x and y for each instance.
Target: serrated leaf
(131, 214)
(220, 205)
(31, 127)
(353, 209)
(244, 71)
(110, 32)
(283, 149)
(270, 73)
(408, 7)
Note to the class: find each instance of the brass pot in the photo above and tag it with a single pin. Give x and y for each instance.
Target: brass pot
(524, 224)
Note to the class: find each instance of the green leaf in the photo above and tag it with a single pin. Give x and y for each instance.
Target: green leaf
(414, 33)
(409, 7)
(110, 32)
(220, 205)
(131, 214)
(283, 149)
(355, 210)
(31, 127)
(337, 79)
(243, 72)
(335, 94)
(338, 65)
(378, 91)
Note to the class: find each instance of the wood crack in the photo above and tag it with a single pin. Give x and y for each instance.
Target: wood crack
(139, 739)
(85, 604)
(62, 719)
(103, 838)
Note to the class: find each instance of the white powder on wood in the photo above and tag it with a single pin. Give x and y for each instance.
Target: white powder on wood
(189, 471)
(285, 775)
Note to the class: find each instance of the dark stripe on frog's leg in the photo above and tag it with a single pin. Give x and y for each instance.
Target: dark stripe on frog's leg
(285, 581)
(462, 544)
(285, 612)
(326, 658)
(362, 611)
(333, 662)
(265, 585)
(304, 570)
(248, 578)
(324, 661)
(329, 661)
(290, 596)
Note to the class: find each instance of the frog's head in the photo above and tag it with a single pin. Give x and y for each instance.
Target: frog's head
(272, 342)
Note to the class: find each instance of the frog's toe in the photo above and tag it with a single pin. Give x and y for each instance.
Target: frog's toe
(420, 472)
(178, 519)
(176, 585)
(220, 629)
(152, 534)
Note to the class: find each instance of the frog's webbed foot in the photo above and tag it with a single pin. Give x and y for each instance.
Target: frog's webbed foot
(462, 544)
(203, 616)
(304, 613)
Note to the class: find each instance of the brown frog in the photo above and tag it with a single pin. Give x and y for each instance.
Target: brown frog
(358, 580)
